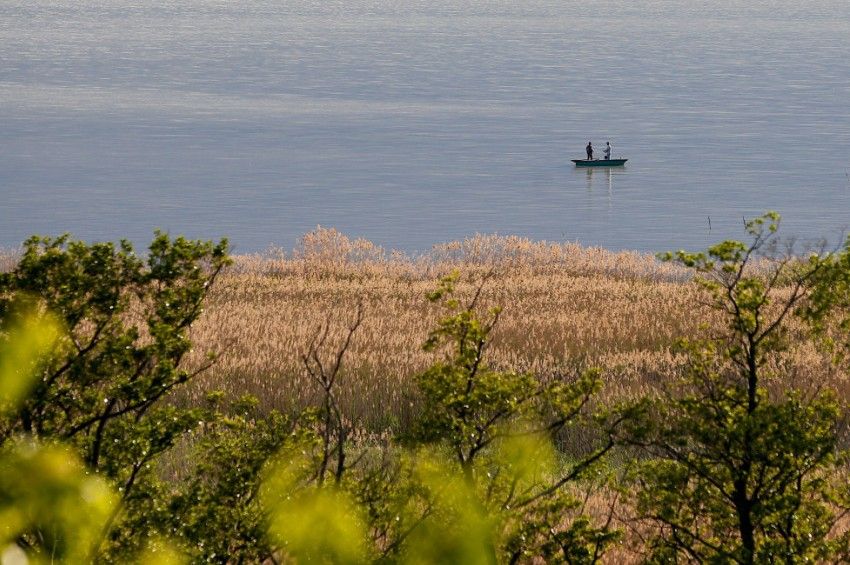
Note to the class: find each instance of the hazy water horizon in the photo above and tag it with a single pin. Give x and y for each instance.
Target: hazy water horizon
(410, 123)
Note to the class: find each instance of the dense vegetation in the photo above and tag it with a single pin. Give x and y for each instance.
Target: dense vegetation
(114, 446)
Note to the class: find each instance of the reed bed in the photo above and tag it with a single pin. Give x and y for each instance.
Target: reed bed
(566, 307)
(8, 259)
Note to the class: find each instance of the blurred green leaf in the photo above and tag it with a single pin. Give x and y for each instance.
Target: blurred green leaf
(311, 523)
(458, 528)
(26, 335)
(47, 493)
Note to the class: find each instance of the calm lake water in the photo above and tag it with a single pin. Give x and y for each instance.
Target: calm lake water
(411, 122)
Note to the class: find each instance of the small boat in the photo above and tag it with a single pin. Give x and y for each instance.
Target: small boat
(599, 162)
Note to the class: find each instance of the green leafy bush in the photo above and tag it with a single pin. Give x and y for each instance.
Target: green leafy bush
(737, 473)
(124, 324)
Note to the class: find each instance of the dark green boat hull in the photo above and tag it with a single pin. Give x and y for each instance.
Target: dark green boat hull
(599, 162)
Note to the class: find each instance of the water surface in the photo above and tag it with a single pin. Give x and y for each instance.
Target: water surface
(411, 122)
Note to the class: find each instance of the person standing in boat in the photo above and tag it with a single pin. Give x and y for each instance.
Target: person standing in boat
(607, 151)
(589, 150)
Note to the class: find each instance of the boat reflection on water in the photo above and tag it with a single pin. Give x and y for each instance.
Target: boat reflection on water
(598, 179)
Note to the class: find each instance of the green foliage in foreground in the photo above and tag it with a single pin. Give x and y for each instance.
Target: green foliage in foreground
(737, 473)
(99, 462)
(499, 428)
(42, 487)
(124, 330)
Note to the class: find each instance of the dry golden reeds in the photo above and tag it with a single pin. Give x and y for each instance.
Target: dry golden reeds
(565, 307)
(8, 259)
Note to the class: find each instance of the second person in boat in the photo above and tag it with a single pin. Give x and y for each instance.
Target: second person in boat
(589, 150)
(607, 151)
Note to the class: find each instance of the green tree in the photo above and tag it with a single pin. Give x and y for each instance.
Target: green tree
(125, 323)
(217, 515)
(52, 508)
(737, 473)
(499, 428)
